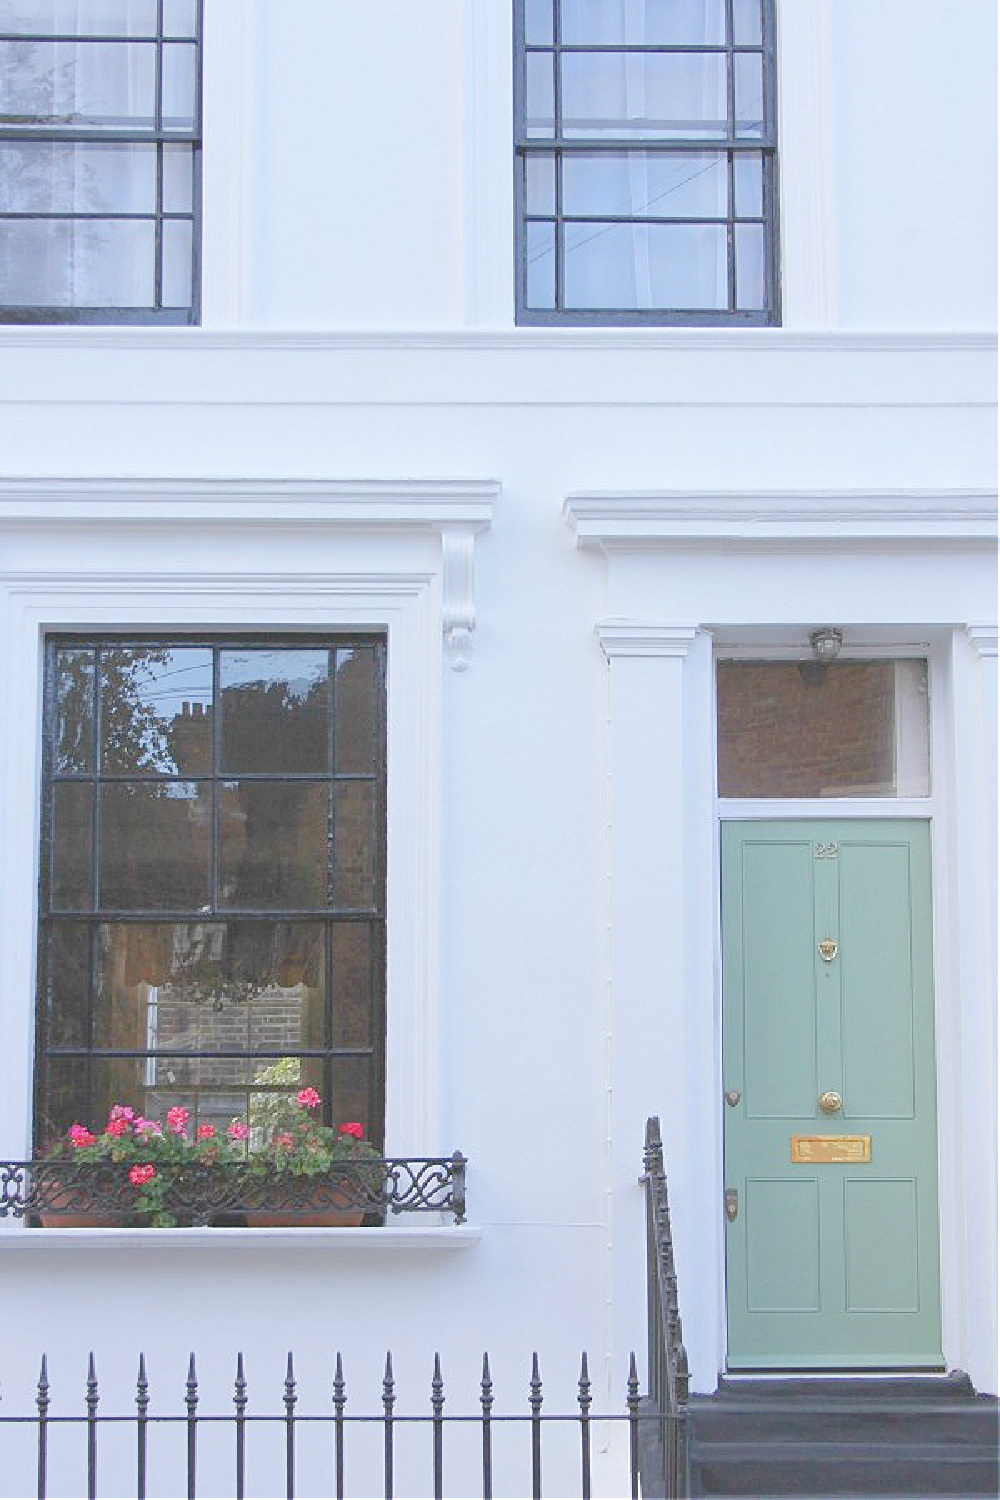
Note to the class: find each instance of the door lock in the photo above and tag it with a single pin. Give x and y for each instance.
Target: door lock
(830, 1102)
(732, 1204)
(732, 1097)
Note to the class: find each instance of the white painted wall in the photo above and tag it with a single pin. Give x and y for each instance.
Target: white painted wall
(358, 164)
(358, 171)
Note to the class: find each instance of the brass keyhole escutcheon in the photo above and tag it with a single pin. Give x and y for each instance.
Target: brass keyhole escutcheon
(828, 950)
(733, 1097)
(830, 1102)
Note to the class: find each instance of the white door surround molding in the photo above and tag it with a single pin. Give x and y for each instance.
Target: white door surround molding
(684, 570)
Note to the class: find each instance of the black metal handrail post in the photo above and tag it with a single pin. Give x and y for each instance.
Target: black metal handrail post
(668, 1365)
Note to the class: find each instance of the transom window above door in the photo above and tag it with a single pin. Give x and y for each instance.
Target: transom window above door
(212, 932)
(823, 729)
(645, 172)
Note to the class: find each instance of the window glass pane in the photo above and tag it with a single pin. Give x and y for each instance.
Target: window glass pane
(356, 719)
(74, 711)
(72, 843)
(154, 845)
(99, 85)
(64, 177)
(747, 23)
(646, 265)
(354, 843)
(641, 184)
(540, 184)
(541, 267)
(210, 987)
(356, 978)
(156, 710)
(180, 18)
(804, 729)
(650, 96)
(688, 23)
(748, 68)
(70, 18)
(77, 263)
(178, 179)
(749, 265)
(179, 90)
(68, 968)
(540, 94)
(538, 21)
(748, 177)
(178, 268)
(275, 710)
(351, 1095)
(273, 844)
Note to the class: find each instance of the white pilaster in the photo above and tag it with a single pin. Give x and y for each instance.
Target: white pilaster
(659, 1005)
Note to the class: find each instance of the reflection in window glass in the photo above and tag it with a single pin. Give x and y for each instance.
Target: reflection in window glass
(232, 949)
(805, 729)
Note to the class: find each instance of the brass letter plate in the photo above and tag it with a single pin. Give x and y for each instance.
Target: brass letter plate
(831, 1148)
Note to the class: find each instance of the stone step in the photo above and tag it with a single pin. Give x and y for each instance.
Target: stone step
(903, 1436)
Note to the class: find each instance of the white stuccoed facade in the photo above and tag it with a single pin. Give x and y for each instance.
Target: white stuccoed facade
(557, 528)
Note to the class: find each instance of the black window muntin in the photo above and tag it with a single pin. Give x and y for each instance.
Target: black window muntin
(54, 919)
(558, 148)
(155, 136)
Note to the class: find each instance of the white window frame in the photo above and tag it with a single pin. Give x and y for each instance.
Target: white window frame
(221, 555)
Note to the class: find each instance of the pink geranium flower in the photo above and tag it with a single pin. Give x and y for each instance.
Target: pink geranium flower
(177, 1118)
(145, 1127)
(121, 1112)
(205, 1132)
(308, 1099)
(80, 1135)
(285, 1139)
(237, 1131)
(353, 1127)
(138, 1176)
(116, 1128)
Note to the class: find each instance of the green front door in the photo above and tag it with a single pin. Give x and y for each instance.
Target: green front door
(828, 1064)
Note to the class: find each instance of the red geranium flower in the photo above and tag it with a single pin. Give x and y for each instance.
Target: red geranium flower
(308, 1098)
(138, 1176)
(353, 1127)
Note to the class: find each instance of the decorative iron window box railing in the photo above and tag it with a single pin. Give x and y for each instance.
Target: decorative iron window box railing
(50, 1193)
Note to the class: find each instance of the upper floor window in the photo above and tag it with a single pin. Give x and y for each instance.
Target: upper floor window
(645, 172)
(212, 924)
(100, 124)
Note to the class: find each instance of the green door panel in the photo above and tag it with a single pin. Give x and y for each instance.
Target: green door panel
(830, 1264)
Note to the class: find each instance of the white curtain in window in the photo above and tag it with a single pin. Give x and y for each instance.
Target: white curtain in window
(649, 96)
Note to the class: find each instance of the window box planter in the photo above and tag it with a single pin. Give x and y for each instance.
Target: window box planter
(77, 1195)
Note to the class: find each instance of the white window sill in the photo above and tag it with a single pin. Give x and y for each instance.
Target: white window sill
(391, 1237)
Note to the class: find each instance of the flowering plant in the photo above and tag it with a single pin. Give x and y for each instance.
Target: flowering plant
(305, 1147)
(153, 1155)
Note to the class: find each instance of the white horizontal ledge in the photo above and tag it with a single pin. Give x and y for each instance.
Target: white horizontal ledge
(443, 1237)
(646, 519)
(437, 504)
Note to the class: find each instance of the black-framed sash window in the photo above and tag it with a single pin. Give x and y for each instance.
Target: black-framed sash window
(212, 891)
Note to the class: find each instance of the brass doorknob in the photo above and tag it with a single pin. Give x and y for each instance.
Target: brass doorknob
(830, 1102)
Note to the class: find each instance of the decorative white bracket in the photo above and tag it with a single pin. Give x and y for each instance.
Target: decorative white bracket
(458, 592)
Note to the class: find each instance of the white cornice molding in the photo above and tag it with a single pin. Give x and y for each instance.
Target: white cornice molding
(433, 503)
(636, 638)
(983, 638)
(456, 509)
(513, 340)
(640, 519)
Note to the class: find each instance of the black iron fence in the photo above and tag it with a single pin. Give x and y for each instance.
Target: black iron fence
(69, 1193)
(333, 1437)
(667, 1460)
